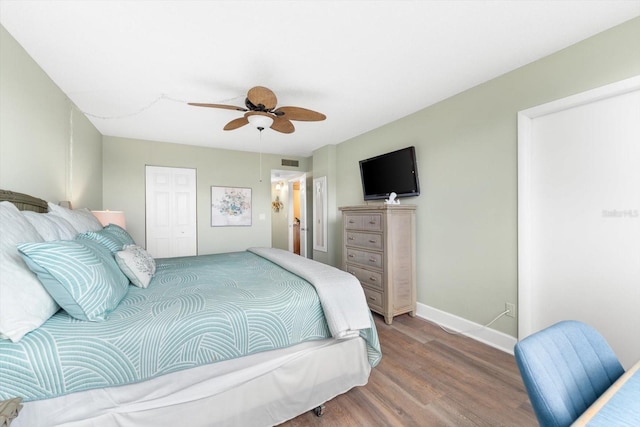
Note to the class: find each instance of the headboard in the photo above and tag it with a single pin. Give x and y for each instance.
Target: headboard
(24, 202)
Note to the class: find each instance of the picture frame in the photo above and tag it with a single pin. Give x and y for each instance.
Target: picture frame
(230, 206)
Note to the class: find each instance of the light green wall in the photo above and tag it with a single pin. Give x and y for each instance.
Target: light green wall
(47, 148)
(466, 147)
(124, 187)
(467, 160)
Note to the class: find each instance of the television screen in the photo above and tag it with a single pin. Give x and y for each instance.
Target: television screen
(391, 172)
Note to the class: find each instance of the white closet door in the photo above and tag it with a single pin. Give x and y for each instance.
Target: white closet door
(579, 220)
(171, 212)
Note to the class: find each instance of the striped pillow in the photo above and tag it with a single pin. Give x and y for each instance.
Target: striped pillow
(106, 239)
(81, 275)
(119, 233)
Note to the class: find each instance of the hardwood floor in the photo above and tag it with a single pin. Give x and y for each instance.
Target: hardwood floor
(428, 377)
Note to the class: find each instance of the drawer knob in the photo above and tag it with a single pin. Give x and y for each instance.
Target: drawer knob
(373, 279)
(351, 256)
(351, 238)
(372, 298)
(373, 241)
(372, 260)
(372, 222)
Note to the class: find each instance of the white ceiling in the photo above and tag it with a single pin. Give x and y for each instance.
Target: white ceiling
(131, 66)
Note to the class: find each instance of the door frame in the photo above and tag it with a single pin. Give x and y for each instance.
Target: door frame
(304, 178)
(525, 182)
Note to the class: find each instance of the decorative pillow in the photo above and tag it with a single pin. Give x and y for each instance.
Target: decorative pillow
(136, 264)
(24, 302)
(81, 275)
(50, 227)
(105, 238)
(81, 219)
(119, 233)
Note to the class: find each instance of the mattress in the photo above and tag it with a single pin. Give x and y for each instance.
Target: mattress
(263, 389)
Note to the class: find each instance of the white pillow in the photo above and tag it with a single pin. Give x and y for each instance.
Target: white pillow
(50, 227)
(136, 264)
(81, 219)
(24, 303)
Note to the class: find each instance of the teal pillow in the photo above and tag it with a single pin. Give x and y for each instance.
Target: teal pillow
(106, 239)
(81, 276)
(119, 233)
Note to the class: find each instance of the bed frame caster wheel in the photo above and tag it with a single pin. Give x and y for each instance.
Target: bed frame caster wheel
(319, 410)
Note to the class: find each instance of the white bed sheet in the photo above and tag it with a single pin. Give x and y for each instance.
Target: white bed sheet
(263, 389)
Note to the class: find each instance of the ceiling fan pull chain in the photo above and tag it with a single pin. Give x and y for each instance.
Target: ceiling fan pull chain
(260, 177)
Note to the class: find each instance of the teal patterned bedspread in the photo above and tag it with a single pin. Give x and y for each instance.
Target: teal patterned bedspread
(197, 310)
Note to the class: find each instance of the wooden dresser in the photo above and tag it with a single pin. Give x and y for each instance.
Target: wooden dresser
(379, 249)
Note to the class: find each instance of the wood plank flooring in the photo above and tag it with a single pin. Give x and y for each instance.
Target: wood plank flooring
(428, 377)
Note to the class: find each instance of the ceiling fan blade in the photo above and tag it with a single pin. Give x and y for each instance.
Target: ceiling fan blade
(261, 95)
(300, 114)
(226, 107)
(236, 123)
(283, 125)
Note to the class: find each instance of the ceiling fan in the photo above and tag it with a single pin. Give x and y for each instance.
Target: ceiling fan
(261, 111)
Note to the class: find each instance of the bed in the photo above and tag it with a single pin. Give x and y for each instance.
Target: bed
(246, 338)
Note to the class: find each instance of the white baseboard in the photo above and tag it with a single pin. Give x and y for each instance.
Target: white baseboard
(488, 336)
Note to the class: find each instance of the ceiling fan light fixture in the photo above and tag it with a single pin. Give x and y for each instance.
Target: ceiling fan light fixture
(260, 121)
(261, 112)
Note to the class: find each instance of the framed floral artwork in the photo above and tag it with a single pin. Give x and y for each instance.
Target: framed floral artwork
(230, 206)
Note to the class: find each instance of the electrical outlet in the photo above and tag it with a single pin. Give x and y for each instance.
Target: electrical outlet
(511, 308)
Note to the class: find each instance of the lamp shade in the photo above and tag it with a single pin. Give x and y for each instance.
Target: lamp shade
(260, 120)
(110, 217)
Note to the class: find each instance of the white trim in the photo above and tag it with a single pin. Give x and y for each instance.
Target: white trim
(593, 95)
(488, 336)
(525, 142)
(320, 214)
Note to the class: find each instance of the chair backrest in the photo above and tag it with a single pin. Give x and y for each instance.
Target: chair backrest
(565, 368)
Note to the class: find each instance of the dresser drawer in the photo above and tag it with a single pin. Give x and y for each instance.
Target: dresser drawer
(369, 278)
(365, 258)
(374, 298)
(370, 222)
(364, 240)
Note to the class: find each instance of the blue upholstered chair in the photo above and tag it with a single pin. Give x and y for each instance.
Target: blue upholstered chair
(565, 368)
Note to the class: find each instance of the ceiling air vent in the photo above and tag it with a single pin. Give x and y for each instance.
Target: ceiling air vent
(288, 162)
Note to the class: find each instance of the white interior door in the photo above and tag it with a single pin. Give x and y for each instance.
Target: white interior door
(579, 216)
(171, 226)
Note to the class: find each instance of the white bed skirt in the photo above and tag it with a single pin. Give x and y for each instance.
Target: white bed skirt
(264, 389)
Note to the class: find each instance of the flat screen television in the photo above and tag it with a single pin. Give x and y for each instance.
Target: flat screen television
(394, 172)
